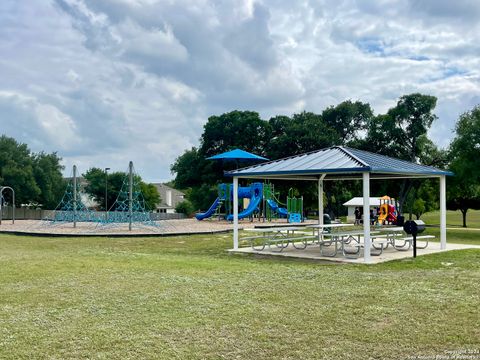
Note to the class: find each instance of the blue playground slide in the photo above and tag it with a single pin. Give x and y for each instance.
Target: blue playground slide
(274, 206)
(209, 212)
(254, 203)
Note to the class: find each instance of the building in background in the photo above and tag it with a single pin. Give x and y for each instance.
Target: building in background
(358, 202)
(170, 198)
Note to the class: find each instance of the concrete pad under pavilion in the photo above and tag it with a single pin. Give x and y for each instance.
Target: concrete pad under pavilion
(312, 252)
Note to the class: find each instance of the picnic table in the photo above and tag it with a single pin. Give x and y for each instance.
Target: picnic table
(335, 236)
(393, 234)
(388, 237)
(324, 235)
(280, 236)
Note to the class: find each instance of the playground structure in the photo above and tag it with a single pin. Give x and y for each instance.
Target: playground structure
(272, 204)
(225, 199)
(262, 200)
(388, 211)
(129, 207)
(294, 207)
(71, 208)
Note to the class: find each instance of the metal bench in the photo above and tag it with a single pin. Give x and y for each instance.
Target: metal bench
(281, 242)
(390, 240)
(359, 246)
(409, 240)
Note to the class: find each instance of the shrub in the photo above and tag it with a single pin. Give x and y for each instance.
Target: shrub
(184, 207)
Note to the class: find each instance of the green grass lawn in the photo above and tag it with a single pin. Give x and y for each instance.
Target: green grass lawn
(454, 218)
(455, 234)
(185, 298)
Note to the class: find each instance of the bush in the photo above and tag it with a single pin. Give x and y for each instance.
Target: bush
(184, 207)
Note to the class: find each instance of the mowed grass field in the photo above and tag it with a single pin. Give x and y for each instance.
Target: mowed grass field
(456, 233)
(454, 218)
(186, 298)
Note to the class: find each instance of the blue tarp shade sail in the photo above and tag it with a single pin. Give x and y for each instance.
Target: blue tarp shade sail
(338, 160)
(236, 154)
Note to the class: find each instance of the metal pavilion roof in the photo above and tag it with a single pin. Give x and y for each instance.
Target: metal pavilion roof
(337, 163)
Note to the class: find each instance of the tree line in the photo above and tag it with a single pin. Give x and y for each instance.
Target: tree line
(39, 183)
(36, 177)
(401, 132)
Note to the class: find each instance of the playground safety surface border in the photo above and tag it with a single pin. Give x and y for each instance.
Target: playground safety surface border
(176, 227)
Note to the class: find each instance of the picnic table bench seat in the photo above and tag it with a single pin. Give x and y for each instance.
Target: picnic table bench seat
(280, 242)
(409, 240)
(383, 245)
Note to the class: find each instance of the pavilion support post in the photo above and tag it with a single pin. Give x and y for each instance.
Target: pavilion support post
(235, 213)
(320, 205)
(74, 196)
(130, 195)
(366, 217)
(443, 213)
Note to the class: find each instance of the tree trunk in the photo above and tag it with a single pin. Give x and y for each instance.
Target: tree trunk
(401, 196)
(464, 216)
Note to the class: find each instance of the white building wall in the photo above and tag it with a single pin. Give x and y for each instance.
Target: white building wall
(351, 213)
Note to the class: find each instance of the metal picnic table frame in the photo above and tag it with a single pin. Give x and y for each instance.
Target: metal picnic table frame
(280, 236)
(344, 238)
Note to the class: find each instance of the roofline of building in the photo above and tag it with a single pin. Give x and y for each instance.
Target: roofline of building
(428, 172)
(345, 171)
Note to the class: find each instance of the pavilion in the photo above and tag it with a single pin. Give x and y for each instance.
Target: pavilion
(342, 163)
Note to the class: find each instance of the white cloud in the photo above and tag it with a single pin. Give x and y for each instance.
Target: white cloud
(160, 45)
(45, 126)
(105, 82)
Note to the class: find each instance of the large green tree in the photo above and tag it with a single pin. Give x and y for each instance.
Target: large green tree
(47, 172)
(464, 187)
(402, 133)
(348, 119)
(16, 171)
(301, 133)
(235, 129)
(193, 170)
(36, 177)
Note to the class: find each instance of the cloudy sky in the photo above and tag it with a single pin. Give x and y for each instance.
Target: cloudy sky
(107, 81)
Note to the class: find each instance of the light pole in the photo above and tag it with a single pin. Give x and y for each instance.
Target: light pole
(106, 193)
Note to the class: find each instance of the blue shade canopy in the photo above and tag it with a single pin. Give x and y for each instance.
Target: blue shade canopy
(338, 162)
(236, 154)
